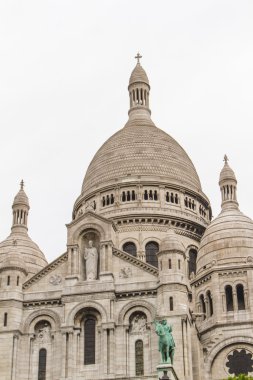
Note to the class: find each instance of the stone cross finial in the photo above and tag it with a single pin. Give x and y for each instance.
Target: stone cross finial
(225, 159)
(138, 57)
(22, 185)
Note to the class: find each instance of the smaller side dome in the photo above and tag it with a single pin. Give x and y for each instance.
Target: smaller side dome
(13, 260)
(228, 240)
(171, 243)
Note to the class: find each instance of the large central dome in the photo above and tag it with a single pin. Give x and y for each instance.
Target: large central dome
(140, 149)
(142, 175)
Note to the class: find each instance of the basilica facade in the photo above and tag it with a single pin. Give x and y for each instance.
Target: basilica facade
(142, 246)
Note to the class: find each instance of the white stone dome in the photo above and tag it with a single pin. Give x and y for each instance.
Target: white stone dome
(227, 240)
(27, 251)
(140, 150)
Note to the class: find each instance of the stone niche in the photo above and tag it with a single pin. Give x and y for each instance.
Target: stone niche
(87, 237)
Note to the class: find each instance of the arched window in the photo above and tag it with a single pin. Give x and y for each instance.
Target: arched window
(151, 250)
(130, 248)
(8, 280)
(139, 362)
(229, 298)
(210, 303)
(123, 196)
(240, 297)
(169, 263)
(89, 340)
(202, 305)
(42, 364)
(192, 261)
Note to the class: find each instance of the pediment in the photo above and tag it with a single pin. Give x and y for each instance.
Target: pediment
(127, 268)
(49, 278)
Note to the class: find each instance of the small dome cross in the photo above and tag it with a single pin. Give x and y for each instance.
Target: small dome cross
(138, 57)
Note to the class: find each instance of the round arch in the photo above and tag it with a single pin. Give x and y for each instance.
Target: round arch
(86, 227)
(220, 346)
(133, 306)
(84, 305)
(52, 317)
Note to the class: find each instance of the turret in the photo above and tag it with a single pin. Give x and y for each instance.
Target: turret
(228, 186)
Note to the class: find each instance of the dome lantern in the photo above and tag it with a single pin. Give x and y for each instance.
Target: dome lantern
(139, 89)
(20, 209)
(228, 186)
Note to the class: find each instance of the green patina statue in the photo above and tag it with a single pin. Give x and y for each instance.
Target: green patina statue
(166, 341)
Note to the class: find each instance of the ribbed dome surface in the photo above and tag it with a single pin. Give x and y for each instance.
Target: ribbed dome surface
(138, 75)
(28, 251)
(140, 150)
(227, 240)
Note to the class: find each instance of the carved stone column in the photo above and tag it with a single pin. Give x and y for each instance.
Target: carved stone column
(235, 300)
(14, 356)
(106, 260)
(64, 349)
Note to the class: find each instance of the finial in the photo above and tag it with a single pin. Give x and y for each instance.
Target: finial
(22, 185)
(225, 159)
(138, 57)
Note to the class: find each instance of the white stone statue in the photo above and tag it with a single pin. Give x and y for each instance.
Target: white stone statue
(91, 259)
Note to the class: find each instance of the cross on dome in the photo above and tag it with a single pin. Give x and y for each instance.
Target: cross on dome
(225, 159)
(22, 184)
(138, 57)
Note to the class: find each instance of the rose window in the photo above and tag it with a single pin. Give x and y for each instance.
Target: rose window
(240, 362)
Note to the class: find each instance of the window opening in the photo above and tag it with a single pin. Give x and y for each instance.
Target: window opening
(151, 250)
(89, 340)
(229, 298)
(139, 362)
(130, 248)
(240, 297)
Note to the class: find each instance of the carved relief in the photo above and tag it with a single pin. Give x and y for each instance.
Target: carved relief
(43, 332)
(125, 272)
(138, 323)
(55, 279)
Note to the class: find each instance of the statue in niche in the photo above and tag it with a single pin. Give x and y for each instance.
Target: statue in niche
(138, 323)
(91, 260)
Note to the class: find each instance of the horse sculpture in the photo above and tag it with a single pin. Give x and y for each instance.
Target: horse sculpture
(166, 341)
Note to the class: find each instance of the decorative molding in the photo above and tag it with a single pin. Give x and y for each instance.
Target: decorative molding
(233, 273)
(39, 303)
(139, 293)
(133, 260)
(49, 268)
(203, 280)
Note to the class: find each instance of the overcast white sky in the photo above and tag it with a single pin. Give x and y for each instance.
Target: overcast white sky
(64, 70)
